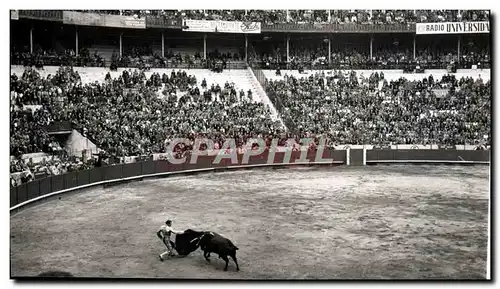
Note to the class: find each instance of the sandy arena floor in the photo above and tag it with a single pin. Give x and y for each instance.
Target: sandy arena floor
(307, 223)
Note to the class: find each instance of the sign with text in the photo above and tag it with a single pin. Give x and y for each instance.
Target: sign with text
(221, 26)
(125, 22)
(86, 19)
(94, 19)
(14, 15)
(453, 28)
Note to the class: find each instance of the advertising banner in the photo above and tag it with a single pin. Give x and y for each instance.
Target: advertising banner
(453, 28)
(125, 22)
(221, 26)
(93, 19)
(14, 15)
(86, 19)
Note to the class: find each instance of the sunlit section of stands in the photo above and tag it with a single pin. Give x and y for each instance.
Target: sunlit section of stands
(241, 77)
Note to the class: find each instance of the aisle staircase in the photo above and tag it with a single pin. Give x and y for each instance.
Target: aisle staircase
(263, 96)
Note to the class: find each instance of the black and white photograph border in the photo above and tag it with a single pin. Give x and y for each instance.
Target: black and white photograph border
(196, 4)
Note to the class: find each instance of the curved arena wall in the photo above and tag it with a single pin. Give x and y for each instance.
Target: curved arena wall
(41, 189)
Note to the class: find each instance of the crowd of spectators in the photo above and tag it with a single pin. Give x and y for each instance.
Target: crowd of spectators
(41, 57)
(355, 109)
(23, 171)
(140, 57)
(314, 55)
(133, 115)
(312, 16)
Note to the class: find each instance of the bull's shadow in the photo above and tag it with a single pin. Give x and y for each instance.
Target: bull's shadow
(208, 242)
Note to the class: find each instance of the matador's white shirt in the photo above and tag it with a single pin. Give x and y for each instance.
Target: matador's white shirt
(167, 231)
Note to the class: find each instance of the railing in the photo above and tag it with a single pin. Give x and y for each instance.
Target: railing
(365, 65)
(163, 22)
(276, 100)
(88, 62)
(185, 65)
(52, 60)
(53, 185)
(339, 28)
(168, 23)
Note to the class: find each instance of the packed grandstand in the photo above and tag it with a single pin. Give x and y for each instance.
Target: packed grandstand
(118, 85)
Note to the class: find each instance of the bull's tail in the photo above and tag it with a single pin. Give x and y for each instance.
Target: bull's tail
(234, 246)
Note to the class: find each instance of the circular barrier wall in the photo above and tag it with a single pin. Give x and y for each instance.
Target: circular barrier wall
(40, 189)
(339, 222)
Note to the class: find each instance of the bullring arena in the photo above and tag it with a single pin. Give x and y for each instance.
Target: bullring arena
(402, 102)
(388, 222)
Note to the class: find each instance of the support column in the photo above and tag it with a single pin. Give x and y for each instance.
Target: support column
(76, 41)
(31, 40)
(121, 46)
(287, 48)
(329, 49)
(162, 44)
(414, 47)
(329, 16)
(205, 46)
(246, 48)
(371, 47)
(458, 49)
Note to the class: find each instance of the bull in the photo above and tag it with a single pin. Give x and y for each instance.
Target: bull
(209, 242)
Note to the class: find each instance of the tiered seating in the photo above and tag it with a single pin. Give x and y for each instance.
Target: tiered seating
(389, 107)
(100, 93)
(484, 74)
(241, 77)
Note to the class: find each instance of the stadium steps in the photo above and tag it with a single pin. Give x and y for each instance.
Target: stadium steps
(75, 144)
(263, 96)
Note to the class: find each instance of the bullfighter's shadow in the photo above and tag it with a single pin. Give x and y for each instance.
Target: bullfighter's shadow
(200, 261)
(215, 262)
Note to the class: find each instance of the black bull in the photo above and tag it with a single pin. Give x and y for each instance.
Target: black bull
(209, 242)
